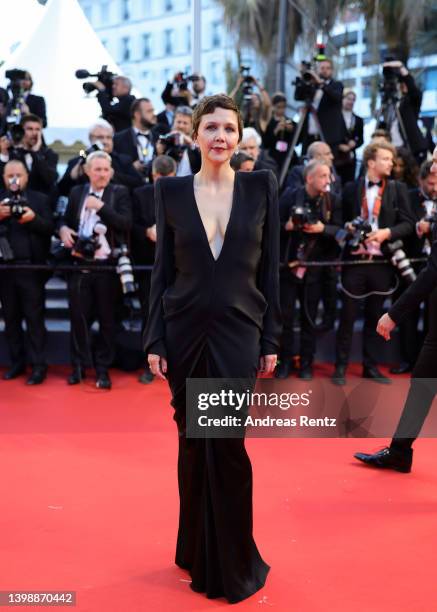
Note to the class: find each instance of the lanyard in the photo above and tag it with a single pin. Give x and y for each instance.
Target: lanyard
(376, 205)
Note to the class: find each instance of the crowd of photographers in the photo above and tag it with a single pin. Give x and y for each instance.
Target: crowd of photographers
(97, 220)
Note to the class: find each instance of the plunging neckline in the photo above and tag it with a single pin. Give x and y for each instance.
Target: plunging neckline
(202, 226)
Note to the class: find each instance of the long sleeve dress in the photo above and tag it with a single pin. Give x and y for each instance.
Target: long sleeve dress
(213, 318)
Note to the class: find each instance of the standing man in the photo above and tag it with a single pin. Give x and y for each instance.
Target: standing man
(346, 159)
(97, 219)
(24, 238)
(384, 205)
(117, 113)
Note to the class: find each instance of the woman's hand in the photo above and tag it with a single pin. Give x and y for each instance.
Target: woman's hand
(267, 363)
(158, 365)
(385, 326)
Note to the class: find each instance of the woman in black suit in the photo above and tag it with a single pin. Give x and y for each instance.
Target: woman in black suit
(214, 313)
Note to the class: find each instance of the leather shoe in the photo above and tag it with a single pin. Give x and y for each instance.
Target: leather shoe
(14, 371)
(146, 377)
(103, 381)
(284, 368)
(76, 376)
(402, 368)
(391, 458)
(37, 376)
(339, 376)
(306, 372)
(373, 373)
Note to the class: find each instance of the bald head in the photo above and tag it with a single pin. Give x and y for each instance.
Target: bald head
(15, 175)
(320, 150)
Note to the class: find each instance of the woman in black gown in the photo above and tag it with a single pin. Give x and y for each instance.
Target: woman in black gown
(214, 312)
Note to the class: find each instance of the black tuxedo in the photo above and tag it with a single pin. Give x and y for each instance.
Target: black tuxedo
(42, 174)
(124, 174)
(22, 292)
(328, 113)
(358, 280)
(163, 122)
(118, 113)
(94, 294)
(345, 163)
(126, 142)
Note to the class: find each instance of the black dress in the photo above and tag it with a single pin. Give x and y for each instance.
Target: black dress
(214, 318)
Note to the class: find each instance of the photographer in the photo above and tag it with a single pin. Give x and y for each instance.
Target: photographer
(97, 219)
(310, 218)
(117, 113)
(138, 142)
(321, 151)
(251, 145)
(378, 210)
(26, 225)
(29, 103)
(424, 209)
(40, 160)
(404, 130)
(179, 145)
(325, 99)
(198, 85)
(345, 159)
(101, 137)
(256, 108)
(279, 131)
(176, 92)
(144, 235)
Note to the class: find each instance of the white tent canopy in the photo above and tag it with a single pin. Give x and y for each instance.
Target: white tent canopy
(63, 42)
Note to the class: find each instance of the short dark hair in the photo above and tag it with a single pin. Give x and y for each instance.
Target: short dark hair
(30, 118)
(425, 169)
(238, 159)
(136, 105)
(164, 165)
(208, 104)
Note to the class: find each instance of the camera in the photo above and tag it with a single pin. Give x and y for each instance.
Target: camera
(388, 87)
(248, 81)
(399, 259)
(15, 200)
(124, 269)
(86, 246)
(104, 76)
(182, 79)
(83, 153)
(173, 145)
(14, 131)
(301, 214)
(362, 229)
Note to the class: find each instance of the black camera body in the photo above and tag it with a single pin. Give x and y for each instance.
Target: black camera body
(16, 200)
(104, 76)
(301, 214)
(182, 79)
(388, 87)
(362, 229)
(173, 148)
(83, 153)
(248, 81)
(86, 246)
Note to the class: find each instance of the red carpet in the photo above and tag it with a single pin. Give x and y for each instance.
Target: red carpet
(89, 504)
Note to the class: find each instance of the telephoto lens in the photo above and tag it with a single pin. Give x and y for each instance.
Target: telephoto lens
(124, 270)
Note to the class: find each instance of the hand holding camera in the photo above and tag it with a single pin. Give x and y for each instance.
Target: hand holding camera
(5, 210)
(68, 236)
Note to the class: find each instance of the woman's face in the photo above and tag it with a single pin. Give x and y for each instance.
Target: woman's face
(217, 135)
(398, 168)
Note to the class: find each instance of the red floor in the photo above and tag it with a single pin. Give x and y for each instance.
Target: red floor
(89, 503)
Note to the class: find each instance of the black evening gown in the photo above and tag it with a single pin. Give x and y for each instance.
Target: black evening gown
(214, 318)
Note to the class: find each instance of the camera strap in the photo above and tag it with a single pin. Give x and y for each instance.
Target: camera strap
(376, 205)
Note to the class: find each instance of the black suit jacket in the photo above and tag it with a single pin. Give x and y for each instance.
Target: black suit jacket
(395, 210)
(295, 180)
(143, 216)
(117, 114)
(125, 142)
(162, 121)
(329, 113)
(413, 245)
(355, 133)
(40, 229)
(43, 174)
(409, 109)
(37, 106)
(116, 213)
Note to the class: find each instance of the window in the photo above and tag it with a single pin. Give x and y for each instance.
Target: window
(168, 42)
(125, 10)
(168, 6)
(215, 72)
(125, 49)
(147, 45)
(147, 8)
(104, 11)
(430, 78)
(188, 39)
(216, 34)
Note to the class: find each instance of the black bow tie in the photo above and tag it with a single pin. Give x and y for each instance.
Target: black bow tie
(142, 134)
(372, 184)
(95, 195)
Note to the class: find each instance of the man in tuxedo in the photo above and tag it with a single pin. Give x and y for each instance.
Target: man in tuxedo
(117, 113)
(101, 134)
(345, 159)
(138, 141)
(143, 235)
(181, 147)
(98, 215)
(384, 205)
(313, 239)
(40, 160)
(321, 151)
(327, 105)
(24, 238)
(423, 202)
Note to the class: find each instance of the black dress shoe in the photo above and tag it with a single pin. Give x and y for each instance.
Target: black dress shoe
(14, 371)
(103, 381)
(37, 376)
(373, 373)
(306, 372)
(146, 377)
(339, 376)
(402, 368)
(391, 458)
(76, 376)
(284, 368)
